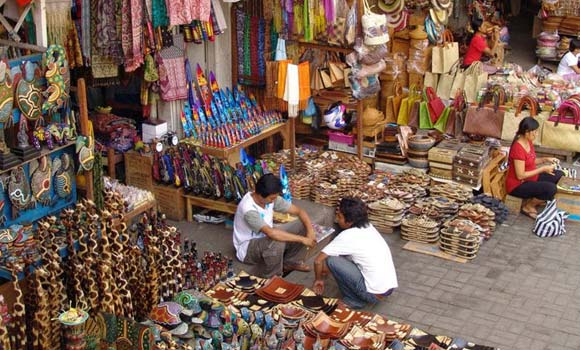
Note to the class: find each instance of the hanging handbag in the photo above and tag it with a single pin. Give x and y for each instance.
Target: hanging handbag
(441, 124)
(425, 120)
(374, 26)
(414, 114)
(485, 120)
(475, 80)
(406, 106)
(445, 55)
(512, 119)
(458, 81)
(460, 110)
(431, 80)
(393, 104)
(436, 105)
(444, 87)
(562, 130)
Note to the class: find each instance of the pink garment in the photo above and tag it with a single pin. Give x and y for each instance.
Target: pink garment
(172, 78)
(201, 9)
(180, 12)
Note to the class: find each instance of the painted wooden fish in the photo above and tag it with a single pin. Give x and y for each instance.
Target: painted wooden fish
(41, 181)
(19, 192)
(63, 172)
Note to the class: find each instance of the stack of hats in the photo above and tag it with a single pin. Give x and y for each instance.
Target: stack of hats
(481, 216)
(441, 158)
(418, 151)
(325, 193)
(300, 185)
(386, 214)
(451, 191)
(546, 45)
(460, 238)
(497, 206)
(436, 208)
(420, 229)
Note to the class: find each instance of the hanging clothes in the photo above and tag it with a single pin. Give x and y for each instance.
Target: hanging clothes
(292, 90)
(200, 9)
(180, 12)
(132, 29)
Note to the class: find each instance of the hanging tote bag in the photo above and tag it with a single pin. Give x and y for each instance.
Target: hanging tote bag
(485, 120)
(441, 124)
(444, 87)
(425, 121)
(562, 131)
(475, 79)
(458, 81)
(431, 80)
(445, 55)
(393, 104)
(374, 27)
(551, 221)
(436, 105)
(512, 119)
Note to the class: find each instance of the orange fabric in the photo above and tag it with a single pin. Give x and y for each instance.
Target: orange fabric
(304, 82)
(282, 70)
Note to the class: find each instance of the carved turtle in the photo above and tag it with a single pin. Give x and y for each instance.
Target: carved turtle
(166, 314)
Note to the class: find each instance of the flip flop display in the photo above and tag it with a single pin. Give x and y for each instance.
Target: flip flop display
(461, 238)
(301, 185)
(386, 214)
(494, 204)
(420, 229)
(436, 208)
(451, 191)
(481, 216)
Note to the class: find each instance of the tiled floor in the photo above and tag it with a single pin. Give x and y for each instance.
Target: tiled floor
(521, 292)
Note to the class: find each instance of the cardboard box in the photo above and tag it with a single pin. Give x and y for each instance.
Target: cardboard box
(139, 170)
(170, 201)
(153, 129)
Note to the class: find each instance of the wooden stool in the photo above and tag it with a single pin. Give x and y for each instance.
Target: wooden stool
(514, 204)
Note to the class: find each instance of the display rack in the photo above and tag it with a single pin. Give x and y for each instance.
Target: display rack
(232, 154)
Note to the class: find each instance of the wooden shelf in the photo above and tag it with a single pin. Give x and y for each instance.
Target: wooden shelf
(43, 152)
(232, 154)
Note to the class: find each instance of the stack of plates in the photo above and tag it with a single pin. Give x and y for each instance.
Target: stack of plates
(386, 214)
(279, 290)
(481, 216)
(300, 185)
(359, 338)
(436, 208)
(291, 315)
(391, 329)
(245, 282)
(453, 191)
(325, 327)
(226, 295)
(343, 313)
(460, 238)
(315, 303)
(325, 193)
(420, 229)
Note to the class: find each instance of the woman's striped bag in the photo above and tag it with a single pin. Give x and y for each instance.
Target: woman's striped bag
(551, 221)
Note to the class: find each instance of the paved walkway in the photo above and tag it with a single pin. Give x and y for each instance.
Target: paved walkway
(521, 292)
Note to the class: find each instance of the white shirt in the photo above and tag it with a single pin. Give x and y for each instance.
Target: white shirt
(250, 218)
(369, 251)
(566, 62)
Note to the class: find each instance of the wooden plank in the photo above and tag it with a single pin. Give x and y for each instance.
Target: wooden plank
(84, 123)
(433, 250)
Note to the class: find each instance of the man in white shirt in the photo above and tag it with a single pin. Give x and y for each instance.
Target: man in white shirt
(358, 258)
(258, 242)
(568, 67)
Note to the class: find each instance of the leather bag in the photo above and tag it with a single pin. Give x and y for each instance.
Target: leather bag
(512, 119)
(485, 120)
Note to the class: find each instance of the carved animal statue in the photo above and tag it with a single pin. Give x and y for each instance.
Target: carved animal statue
(41, 181)
(28, 95)
(56, 75)
(19, 192)
(19, 310)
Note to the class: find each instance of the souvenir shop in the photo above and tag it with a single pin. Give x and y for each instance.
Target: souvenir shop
(118, 118)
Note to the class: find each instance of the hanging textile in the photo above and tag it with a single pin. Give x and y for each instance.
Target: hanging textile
(292, 90)
(304, 83)
(104, 68)
(220, 20)
(132, 33)
(201, 9)
(282, 71)
(240, 35)
(85, 12)
(172, 75)
(159, 13)
(180, 12)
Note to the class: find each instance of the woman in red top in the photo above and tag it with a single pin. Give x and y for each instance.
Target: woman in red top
(524, 179)
(478, 44)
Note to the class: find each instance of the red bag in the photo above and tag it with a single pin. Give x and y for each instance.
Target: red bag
(435, 104)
